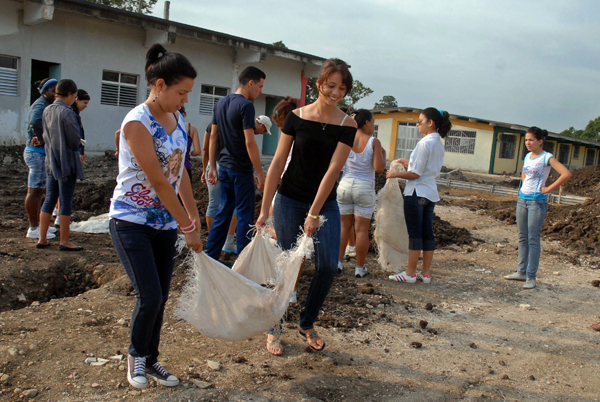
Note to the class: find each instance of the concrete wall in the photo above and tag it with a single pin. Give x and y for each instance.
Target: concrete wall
(86, 46)
(384, 134)
(480, 160)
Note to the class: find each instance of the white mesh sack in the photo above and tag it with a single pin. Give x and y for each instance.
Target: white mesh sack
(257, 261)
(390, 232)
(221, 303)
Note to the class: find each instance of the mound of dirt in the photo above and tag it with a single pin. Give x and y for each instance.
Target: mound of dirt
(446, 234)
(585, 182)
(576, 226)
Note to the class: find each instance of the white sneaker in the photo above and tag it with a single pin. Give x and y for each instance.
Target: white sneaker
(424, 278)
(529, 284)
(57, 221)
(294, 297)
(51, 229)
(55, 212)
(340, 267)
(403, 277)
(360, 272)
(34, 233)
(350, 251)
(515, 276)
(136, 372)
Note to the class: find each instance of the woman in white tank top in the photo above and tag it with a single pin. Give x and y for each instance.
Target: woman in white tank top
(356, 191)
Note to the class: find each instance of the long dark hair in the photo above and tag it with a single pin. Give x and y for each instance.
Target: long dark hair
(538, 133)
(283, 108)
(169, 66)
(440, 118)
(362, 117)
(81, 95)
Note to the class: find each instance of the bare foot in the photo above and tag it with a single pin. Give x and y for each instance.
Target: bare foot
(314, 340)
(274, 345)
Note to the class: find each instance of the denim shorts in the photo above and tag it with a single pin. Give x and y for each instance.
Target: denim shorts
(214, 197)
(356, 197)
(36, 162)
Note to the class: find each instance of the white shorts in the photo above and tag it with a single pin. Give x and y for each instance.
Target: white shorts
(356, 197)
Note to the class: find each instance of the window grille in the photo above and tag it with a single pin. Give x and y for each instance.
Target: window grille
(507, 146)
(576, 151)
(119, 89)
(9, 76)
(590, 156)
(406, 140)
(563, 154)
(461, 142)
(209, 96)
(376, 130)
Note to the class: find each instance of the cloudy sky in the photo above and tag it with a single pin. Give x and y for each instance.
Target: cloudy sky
(526, 62)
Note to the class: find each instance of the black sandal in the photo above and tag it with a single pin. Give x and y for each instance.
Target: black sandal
(40, 245)
(309, 337)
(65, 248)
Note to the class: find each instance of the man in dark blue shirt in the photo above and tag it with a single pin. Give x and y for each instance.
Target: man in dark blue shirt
(232, 144)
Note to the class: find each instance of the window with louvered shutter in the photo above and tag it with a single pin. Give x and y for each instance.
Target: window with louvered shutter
(209, 96)
(9, 76)
(119, 89)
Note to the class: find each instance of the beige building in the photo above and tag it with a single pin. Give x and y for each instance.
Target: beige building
(479, 145)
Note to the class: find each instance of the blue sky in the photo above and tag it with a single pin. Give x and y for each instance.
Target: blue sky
(525, 62)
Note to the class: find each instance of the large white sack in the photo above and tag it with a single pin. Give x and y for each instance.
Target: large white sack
(257, 261)
(221, 303)
(96, 224)
(390, 232)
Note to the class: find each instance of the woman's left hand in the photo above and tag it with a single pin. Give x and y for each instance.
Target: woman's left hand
(310, 226)
(390, 175)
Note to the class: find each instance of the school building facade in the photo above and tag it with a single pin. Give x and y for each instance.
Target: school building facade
(479, 145)
(103, 50)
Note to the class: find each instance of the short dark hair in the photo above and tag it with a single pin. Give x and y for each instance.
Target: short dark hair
(332, 66)
(441, 118)
(538, 133)
(362, 117)
(82, 95)
(251, 73)
(169, 66)
(283, 108)
(66, 87)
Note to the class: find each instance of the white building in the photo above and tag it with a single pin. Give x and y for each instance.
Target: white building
(103, 50)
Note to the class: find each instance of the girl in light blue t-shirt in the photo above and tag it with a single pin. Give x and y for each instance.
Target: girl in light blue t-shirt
(533, 205)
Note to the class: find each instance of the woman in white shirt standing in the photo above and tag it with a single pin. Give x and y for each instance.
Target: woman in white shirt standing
(533, 205)
(420, 194)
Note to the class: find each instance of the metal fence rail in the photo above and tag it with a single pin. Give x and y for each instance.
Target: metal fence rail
(554, 198)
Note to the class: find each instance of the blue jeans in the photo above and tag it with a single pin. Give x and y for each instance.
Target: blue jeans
(59, 189)
(237, 192)
(214, 197)
(289, 216)
(530, 218)
(148, 256)
(418, 212)
(36, 162)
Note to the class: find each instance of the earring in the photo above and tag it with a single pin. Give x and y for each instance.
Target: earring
(156, 97)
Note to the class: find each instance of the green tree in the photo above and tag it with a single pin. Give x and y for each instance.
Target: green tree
(280, 44)
(591, 131)
(128, 5)
(386, 102)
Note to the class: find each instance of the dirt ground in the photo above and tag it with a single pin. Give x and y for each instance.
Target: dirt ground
(468, 336)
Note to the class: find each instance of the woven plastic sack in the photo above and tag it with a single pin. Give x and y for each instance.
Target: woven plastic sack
(221, 303)
(96, 224)
(257, 261)
(390, 232)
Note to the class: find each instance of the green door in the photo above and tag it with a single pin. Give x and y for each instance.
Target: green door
(270, 141)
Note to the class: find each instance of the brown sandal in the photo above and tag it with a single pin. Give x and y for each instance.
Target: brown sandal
(272, 343)
(310, 336)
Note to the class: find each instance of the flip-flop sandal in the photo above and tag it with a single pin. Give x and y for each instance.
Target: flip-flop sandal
(275, 342)
(596, 326)
(309, 337)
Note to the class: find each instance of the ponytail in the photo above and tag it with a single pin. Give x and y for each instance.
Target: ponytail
(169, 66)
(441, 118)
(538, 133)
(362, 117)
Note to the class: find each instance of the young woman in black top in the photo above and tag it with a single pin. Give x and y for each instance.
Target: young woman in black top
(322, 136)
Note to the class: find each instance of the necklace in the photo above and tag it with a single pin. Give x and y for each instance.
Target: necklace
(321, 120)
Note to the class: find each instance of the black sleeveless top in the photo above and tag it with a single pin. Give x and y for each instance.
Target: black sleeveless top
(311, 155)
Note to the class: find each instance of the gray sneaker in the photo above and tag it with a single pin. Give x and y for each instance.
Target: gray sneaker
(360, 272)
(162, 376)
(529, 284)
(136, 372)
(515, 276)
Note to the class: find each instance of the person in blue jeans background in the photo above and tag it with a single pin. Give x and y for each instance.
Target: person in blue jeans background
(533, 205)
(145, 211)
(420, 193)
(233, 146)
(322, 137)
(35, 157)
